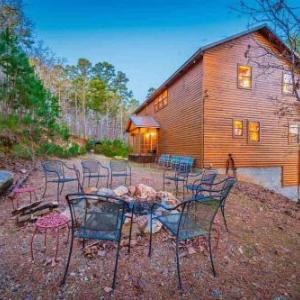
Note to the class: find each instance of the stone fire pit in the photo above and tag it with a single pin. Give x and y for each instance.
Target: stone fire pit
(143, 197)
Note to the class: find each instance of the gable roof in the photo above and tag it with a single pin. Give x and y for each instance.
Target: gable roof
(142, 122)
(264, 29)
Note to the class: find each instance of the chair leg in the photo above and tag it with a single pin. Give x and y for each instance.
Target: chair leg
(83, 180)
(210, 255)
(62, 188)
(150, 241)
(57, 196)
(130, 231)
(224, 218)
(116, 266)
(178, 265)
(98, 178)
(89, 181)
(45, 189)
(69, 259)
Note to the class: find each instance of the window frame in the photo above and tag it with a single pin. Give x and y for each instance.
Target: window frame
(289, 135)
(161, 101)
(233, 128)
(251, 77)
(282, 84)
(248, 132)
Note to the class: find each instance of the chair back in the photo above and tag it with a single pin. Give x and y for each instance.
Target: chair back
(182, 170)
(98, 216)
(209, 176)
(53, 168)
(197, 217)
(164, 160)
(90, 166)
(218, 190)
(118, 165)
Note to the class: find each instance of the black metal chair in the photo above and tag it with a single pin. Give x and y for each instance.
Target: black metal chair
(54, 172)
(181, 174)
(218, 190)
(94, 169)
(206, 176)
(191, 219)
(120, 168)
(97, 217)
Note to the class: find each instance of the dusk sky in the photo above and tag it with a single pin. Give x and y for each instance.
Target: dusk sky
(148, 40)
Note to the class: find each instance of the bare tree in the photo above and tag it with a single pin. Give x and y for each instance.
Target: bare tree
(284, 21)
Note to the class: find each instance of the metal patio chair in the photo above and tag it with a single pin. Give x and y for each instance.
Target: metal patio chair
(218, 190)
(97, 217)
(180, 175)
(120, 168)
(55, 172)
(191, 219)
(206, 176)
(94, 169)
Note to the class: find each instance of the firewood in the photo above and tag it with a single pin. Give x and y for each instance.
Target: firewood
(25, 207)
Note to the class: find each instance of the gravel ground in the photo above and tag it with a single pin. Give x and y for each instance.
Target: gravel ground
(258, 259)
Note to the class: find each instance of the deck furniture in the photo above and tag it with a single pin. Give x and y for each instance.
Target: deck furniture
(180, 175)
(22, 191)
(205, 176)
(164, 160)
(55, 172)
(119, 168)
(54, 223)
(191, 219)
(218, 190)
(96, 217)
(94, 169)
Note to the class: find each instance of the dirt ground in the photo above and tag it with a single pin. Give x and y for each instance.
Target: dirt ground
(258, 259)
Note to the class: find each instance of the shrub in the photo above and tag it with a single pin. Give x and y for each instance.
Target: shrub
(112, 148)
(59, 151)
(21, 151)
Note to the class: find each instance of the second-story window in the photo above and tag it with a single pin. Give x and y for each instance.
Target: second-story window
(244, 77)
(294, 133)
(161, 101)
(287, 83)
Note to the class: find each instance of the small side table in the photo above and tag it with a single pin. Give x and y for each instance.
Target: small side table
(53, 222)
(19, 191)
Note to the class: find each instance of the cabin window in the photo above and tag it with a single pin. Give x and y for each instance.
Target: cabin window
(253, 131)
(294, 133)
(161, 101)
(244, 77)
(237, 128)
(287, 83)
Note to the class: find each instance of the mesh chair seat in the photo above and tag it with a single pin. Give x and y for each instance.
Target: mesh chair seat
(191, 228)
(107, 228)
(175, 178)
(62, 180)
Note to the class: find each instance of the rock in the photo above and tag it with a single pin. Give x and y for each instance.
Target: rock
(106, 192)
(145, 192)
(6, 180)
(121, 190)
(156, 226)
(108, 289)
(131, 190)
(90, 190)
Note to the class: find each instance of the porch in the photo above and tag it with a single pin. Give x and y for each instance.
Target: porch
(143, 138)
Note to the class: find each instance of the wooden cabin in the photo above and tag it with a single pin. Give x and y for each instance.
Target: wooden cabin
(219, 103)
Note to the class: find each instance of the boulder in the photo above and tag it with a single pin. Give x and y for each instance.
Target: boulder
(121, 190)
(145, 192)
(106, 192)
(6, 180)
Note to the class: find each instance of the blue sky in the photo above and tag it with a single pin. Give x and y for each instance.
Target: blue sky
(148, 40)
